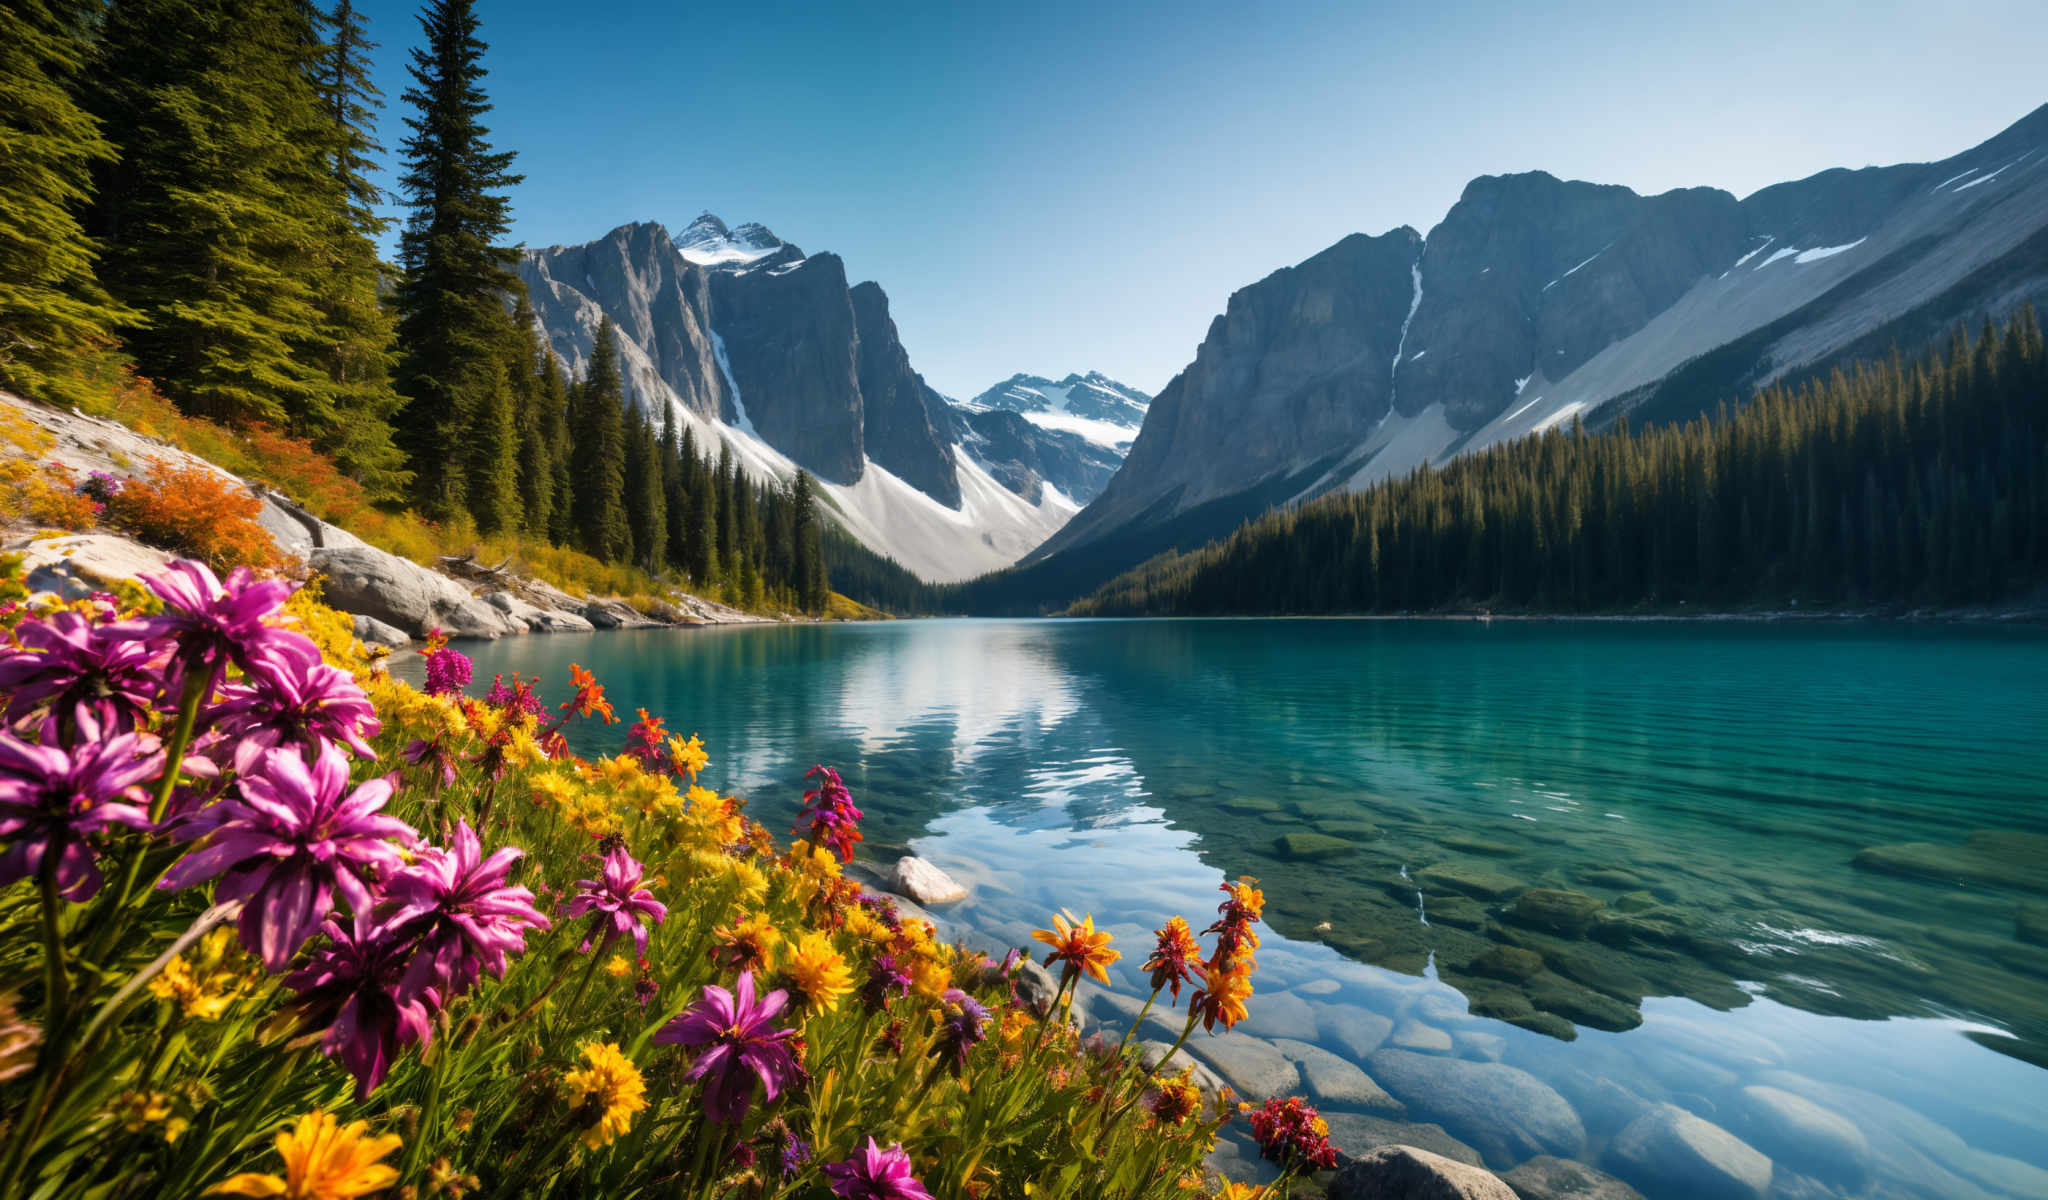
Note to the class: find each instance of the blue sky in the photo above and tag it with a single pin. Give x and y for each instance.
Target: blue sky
(1049, 187)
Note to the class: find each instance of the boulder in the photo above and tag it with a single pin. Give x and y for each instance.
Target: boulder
(1408, 1173)
(76, 566)
(535, 618)
(1671, 1152)
(1334, 1081)
(607, 612)
(1350, 831)
(1547, 1178)
(1806, 1137)
(1253, 1066)
(1356, 1133)
(368, 582)
(923, 882)
(1507, 962)
(1998, 857)
(371, 631)
(1506, 1112)
(1356, 1031)
(1554, 910)
(1035, 986)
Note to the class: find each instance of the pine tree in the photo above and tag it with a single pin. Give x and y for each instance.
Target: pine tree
(214, 211)
(597, 454)
(52, 307)
(554, 401)
(807, 547)
(702, 560)
(675, 501)
(646, 510)
(493, 460)
(451, 301)
(355, 346)
(529, 363)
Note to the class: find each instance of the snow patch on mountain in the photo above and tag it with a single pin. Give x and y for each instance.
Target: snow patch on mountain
(708, 243)
(1815, 255)
(1093, 405)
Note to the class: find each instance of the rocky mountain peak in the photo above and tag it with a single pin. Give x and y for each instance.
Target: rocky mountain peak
(708, 242)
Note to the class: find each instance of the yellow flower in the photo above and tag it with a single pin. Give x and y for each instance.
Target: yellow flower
(1225, 988)
(819, 972)
(618, 966)
(815, 861)
(862, 924)
(746, 945)
(930, 978)
(202, 982)
(323, 1160)
(521, 750)
(609, 1085)
(1078, 945)
(688, 756)
(1243, 1191)
(137, 1111)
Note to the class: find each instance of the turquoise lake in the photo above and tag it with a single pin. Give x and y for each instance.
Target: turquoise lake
(1723, 909)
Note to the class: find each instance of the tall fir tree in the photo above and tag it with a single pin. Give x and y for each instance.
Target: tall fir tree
(807, 547)
(52, 307)
(528, 362)
(597, 453)
(554, 400)
(355, 346)
(215, 209)
(451, 301)
(493, 459)
(646, 515)
(675, 501)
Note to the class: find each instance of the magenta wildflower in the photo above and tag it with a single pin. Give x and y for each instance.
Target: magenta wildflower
(352, 985)
(872, 1173)
(963, 1029)
(216, 621)
(885, 980)
(830, 810)
(296, 704)
(616, 903)
(795, 1153)
(288, 841)
(515, 699)
(464, 915)
(54, 800)
(740, 1046)
(448, 671)
(67, 662)
(437, 754)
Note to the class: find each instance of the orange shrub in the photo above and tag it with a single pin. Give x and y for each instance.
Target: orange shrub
(190, 510)
(37, 492)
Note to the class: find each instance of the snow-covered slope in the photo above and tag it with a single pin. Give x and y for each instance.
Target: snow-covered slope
(1093, 405)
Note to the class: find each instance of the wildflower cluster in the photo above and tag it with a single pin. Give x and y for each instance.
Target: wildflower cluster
(278, 924)
(1290, 1132)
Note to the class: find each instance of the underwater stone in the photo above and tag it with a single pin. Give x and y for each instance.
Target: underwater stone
(1554, 910)
(1547, 1178)
(1469, 879)
(1508, 962)
(1672, 1152)
(1311, 846)
(1506, 1113)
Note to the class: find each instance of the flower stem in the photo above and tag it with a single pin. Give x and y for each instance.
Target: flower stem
(198, 686)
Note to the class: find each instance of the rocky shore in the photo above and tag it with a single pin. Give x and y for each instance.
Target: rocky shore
(393, 599)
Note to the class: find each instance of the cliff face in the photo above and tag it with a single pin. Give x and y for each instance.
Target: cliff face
(789, 337)
(904, 423)
(1539, 301)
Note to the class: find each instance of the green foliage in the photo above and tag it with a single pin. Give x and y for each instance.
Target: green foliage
(52, 308)
(597, 453)
(1891, 486)
(453, 326)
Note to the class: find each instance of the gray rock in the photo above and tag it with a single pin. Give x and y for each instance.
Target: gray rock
(1506, 1112)
(1318, 987)
(80, 564)
(608, 612)
(1253, 1066)
(1414, 1035)
(535, 618)
(1152, 1050)
(369, 582)
(1670, 1152)
(1547, 1178)
(1355, 1030)
(905, 424)
(1554, 910)
(1280, 1014)
(1469, 879)
(377, 633)
(1334, 1081)
(1472, 1043)
(1035, 986)
(1356, 1133)
(1805, 1136)
(924, 882)
(1408, 1173)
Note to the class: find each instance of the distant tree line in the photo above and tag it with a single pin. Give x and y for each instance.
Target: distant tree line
(1894, 485)
(188, 190)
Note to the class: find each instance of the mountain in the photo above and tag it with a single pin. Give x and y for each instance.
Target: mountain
(1095, 406)
(762, 348)
(1539, 301)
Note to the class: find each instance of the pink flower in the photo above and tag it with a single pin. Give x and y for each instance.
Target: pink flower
(351, 984)
(293, 837)
(464, 915)
(872, 1173)
(830, 810)
(296, 704)
(617, 904)
(53, 800)
(215, 621)
(740, 1047)
(67, 662)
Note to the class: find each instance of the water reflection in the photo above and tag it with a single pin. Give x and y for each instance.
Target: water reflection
(1640, 838)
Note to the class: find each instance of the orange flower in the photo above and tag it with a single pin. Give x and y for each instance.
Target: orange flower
(589, 699)
(1225, 988)
(1175, 958)
(1078, 945)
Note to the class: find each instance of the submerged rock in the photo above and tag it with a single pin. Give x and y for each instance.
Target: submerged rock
(1469, 879)
(1547, 1178)
(1357, 1031)
(1414, 1035)
(1998, 857)
(1357, 1133)
(1671, 1152)
(1508, 962)
(1334, 1081)
(1311, 846)
(1409, 1173)
(1282, 1014)
(1554, 910)
(1507, 1113)
(924, 882)
(1811, 1139)
(1152, 1051)
(1253, 1066)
